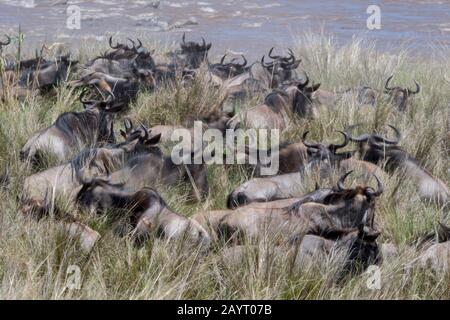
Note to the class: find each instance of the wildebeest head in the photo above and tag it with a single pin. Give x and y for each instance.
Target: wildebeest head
(194, 53)
(362, 251)
(281, 68)
(398, 95)
(319, 152)
(302, 101)
(230, 69)
(96, 193)
(375, 147)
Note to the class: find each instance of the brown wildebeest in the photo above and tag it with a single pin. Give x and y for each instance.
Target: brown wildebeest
(148, 212)
(72, 130)
(279, 108)
(386, 153)
(400, 96)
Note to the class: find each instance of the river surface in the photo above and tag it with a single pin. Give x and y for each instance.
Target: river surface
(250, 26)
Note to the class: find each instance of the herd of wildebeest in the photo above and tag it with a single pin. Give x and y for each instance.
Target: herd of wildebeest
(98, 172)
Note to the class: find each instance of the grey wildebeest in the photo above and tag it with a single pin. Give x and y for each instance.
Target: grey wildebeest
(149, 170)
(191, 55)
(341, 210)
(315, 160)
(42, 188)
(147, 209)
(279, 108)
(358, 247)
(386, 153)
(72, 130)
(222, 71)
(400, 96)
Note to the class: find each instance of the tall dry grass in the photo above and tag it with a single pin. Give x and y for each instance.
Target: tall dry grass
(34, 257)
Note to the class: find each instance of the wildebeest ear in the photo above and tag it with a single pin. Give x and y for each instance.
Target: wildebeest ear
(153, 140)
(313, 88)
(208, 46)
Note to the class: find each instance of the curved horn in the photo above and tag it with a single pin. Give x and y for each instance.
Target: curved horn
(83, 93)
(183, 39)
(361, 138)
(245, 61)
(386, 86)
(341, 181)
(203, 43)
(291, 58)
(139, 44)
(133, 43)
(270, 54)
(8, 41)
(398, 136)
(417, 88)
(111, 44)
(309, 144)
(303, 85)
(380, 187)
(335, 147)
(267, 65)
(223, 59)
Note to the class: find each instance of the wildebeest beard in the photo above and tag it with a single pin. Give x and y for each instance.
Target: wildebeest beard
(86, 127)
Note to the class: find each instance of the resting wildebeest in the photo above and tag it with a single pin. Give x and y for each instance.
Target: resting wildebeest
(279, 108)
(386, 153)
(72, 130)
(47, 74)
(358, 246)
(399, 96)
(149, 170)
(148, 212)
(270, 75)
(341, 210)
(222, 71)
(40, 189)
(315, 159)
(191, 55)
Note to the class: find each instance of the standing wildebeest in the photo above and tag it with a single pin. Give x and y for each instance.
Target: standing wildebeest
(386, 153)
(400, 96)
(279, 108)
(148, 212)
(72, 130)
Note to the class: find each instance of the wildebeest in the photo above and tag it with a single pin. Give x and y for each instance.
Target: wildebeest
(222, 71)
(41, 189)
(386, 153)
(147, 209)
(191, 55)
(48, 74)
(72, 130)
(400, 96)
(279, 108)
(151, 169)
(358, 246)
(342, 209)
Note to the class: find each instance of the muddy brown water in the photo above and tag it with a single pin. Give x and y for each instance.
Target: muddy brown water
(244, 26)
